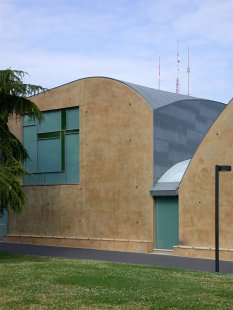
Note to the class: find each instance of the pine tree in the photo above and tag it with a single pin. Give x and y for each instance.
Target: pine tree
(14, 103)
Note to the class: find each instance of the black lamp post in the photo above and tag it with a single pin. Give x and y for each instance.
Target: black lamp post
(217, 170)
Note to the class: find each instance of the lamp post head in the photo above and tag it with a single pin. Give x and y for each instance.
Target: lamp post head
(223, 168)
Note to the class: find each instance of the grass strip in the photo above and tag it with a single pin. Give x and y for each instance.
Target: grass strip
(30, 282)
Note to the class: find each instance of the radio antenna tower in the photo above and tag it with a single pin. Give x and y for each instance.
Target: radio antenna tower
(188, 72)
(178, 68)
(159, 75)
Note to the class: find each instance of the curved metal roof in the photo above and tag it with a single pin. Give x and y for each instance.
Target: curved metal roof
(157, 98)
(154, 97)
(169, 182)
(175, 173)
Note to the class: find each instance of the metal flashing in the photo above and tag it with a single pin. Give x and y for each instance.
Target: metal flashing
(165, 189)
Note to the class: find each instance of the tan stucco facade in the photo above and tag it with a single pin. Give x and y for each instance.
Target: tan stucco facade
(197, 194)
(112, 207)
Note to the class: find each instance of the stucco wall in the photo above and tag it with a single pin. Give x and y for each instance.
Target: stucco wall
(111, 207)
(197, 193)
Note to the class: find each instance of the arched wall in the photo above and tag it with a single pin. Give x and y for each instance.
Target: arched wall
(111, 208)
(197, 193)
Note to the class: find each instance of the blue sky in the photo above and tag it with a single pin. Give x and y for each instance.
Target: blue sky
(60, 41)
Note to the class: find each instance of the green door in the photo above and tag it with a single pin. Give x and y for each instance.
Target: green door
(3, 224)
(167, 226)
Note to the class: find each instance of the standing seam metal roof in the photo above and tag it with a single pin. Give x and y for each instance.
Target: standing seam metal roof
(157, 98)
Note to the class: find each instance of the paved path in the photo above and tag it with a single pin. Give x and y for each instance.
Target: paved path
(120, 257)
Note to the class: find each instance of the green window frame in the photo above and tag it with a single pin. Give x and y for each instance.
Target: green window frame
(53, 147)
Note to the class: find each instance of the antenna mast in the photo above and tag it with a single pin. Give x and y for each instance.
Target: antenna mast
(188, 71)
(159, 75)
(178, 68)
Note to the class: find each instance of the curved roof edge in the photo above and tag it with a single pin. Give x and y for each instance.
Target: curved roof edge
(175, 173)
(154, 97)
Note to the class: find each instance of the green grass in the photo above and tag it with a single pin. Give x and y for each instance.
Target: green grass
(29, 282)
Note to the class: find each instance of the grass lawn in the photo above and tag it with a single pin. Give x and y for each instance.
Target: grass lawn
(28, 282)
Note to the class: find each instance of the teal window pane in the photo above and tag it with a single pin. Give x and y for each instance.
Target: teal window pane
(28, 121)
(51, 122)
(49, 155)
(72, 118)
(55, 178)
(53, 146)
(30, 143)
(34, 179)
(72, 158)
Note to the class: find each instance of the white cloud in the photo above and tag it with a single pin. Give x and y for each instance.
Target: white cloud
(211, 21)
(59, 41)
